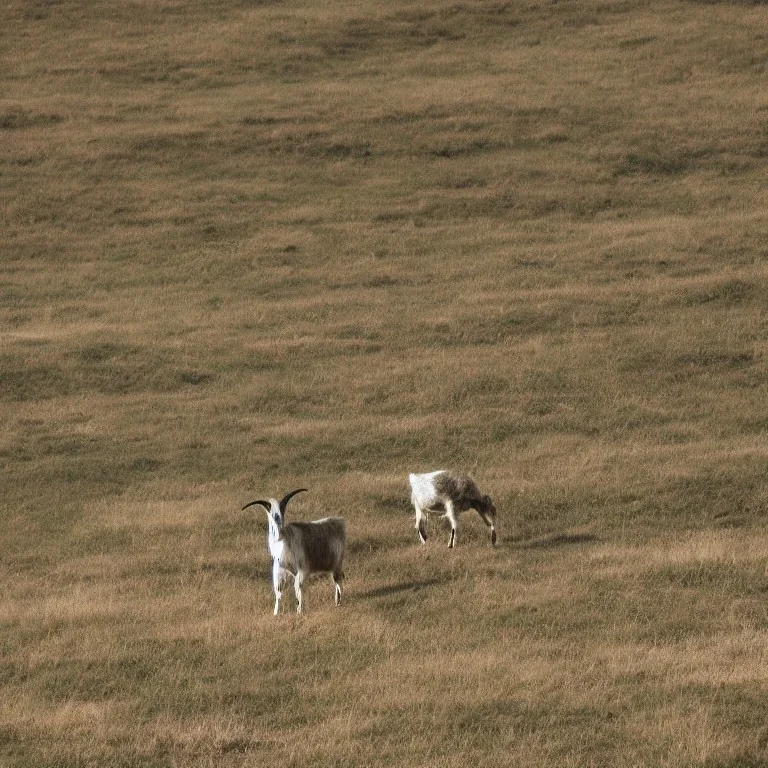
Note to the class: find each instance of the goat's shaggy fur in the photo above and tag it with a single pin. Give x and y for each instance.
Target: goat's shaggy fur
(300, 549)
(449, 493)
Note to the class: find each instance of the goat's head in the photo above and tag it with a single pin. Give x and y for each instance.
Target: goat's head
(275, 511)
(488, 509)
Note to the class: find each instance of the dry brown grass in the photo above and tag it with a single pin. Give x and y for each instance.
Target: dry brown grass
(252, 245)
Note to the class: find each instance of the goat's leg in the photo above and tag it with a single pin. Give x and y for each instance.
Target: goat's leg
(277, 575)
(451, 515)
(421, 523)
(297, 581)
(338, 577)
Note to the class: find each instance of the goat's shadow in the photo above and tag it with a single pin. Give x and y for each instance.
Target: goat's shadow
(544, 542)
(406, 586)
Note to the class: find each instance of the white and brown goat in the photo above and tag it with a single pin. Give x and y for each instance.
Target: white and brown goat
(449, 493)
(300, 549)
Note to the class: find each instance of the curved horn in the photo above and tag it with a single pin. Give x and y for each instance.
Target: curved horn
(263, 503)
(284, 501)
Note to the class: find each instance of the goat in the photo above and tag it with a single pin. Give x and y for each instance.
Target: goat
(300, 549)
(448, 493)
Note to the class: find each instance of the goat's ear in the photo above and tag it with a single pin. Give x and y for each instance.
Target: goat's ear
(288, 496)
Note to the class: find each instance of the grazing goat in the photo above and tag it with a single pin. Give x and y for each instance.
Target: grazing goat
(448, 493)
(300, 549)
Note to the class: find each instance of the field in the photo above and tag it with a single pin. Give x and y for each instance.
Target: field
(254, 245)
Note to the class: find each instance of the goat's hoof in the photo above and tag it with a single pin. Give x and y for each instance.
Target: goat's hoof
(493, 538)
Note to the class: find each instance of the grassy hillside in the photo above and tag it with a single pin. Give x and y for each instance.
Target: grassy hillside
(255, 245)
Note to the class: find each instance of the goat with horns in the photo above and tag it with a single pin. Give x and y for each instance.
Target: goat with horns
(300, 549)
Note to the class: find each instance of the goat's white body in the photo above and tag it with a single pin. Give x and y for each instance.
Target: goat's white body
(279, 572)
(448, 494)
(423, 491)
(276, 546)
